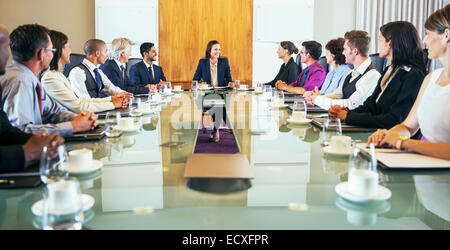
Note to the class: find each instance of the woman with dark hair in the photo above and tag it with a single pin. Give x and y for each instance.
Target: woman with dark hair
(399, 85)
(289, 69)
(336, 75)
(214, 69)
(431, 110)
(59, 88)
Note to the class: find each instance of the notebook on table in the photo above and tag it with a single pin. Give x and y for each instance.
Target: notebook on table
(394, 158)
(319, 121)
(312, 109)
(97, 134)
(27, 178)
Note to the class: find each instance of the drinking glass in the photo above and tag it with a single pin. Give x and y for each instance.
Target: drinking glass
(112, 127)
(169, 85)
(237, 83)
(50, 169)
(194, 86)
(62, 205)
(278, 97)
(299, 109)
(330, 129)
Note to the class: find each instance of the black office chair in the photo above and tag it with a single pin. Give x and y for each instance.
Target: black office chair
(75, 59)
(131, 62)
(299, 63)
(323, 62)
(379, 62)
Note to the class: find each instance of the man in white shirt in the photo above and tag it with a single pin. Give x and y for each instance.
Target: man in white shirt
(359, 83)
(88, 81)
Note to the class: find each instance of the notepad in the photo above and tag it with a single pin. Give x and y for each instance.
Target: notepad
(394, 158)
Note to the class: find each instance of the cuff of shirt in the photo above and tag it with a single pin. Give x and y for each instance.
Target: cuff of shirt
(65, 129)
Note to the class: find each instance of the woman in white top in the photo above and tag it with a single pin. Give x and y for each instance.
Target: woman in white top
(59, 88)
(431, 111)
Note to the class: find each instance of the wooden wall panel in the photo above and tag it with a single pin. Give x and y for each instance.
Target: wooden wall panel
(186, 26)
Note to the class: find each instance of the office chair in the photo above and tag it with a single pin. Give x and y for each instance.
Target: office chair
(75, 59)
(131, 62)
(379, 62)
(299, 63)
(323, 62)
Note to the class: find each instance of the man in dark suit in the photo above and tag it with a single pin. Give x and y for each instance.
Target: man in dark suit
(17, 147)
(146, 73)
(115, 67)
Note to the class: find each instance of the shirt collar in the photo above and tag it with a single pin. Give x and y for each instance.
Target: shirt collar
(316, 64)
(27, 71)
(146, 64)
(119, 63)
(362, 68)
(90, 65)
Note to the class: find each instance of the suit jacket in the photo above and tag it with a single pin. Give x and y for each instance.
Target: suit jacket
(394, 104)
(12, 157)
(114, 74)
(140, 74)
(203, 72)
(288, 73)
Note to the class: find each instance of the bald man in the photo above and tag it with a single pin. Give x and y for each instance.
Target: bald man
(18, 149)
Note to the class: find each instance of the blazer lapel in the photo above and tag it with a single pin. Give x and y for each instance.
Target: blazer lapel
(208, 71)
(391, 86)
(117, 69)
(220, 72)
(145, 71)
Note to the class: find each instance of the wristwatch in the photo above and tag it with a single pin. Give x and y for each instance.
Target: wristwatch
(400, 140)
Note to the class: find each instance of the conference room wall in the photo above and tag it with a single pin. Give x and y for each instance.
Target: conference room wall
(73, 17)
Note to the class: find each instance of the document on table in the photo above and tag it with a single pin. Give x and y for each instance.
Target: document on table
(394, 158)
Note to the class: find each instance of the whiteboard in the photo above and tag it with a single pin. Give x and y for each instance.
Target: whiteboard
(277, 21)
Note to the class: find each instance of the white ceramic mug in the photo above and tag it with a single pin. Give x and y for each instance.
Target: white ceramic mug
(341, 142)
(126, 123)
(298, 115)
(363, 182)
(63, 196)
(80, 158)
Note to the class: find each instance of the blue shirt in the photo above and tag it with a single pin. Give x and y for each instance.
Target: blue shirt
(334, 78)
(20, 103)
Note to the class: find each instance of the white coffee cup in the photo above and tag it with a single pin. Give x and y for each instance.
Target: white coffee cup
(363, 182)
(80, 158)
(243, 86)
(63, 196)
(298, 115)
(258, 89)
(341, 142)
(177, 87)
(126, 123)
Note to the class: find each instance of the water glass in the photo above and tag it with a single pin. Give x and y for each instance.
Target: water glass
(112, 127)
(299, 110)
(62, 205)
(50, 169)
(194, 86)
(237, 84)
(330, 129)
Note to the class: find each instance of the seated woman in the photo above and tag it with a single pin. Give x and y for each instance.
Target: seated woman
(397, 89)
(431, 110)
(339, 69)
(359, 83)
(289, 69)
(58, 87)
(310, 77)
(215, 71)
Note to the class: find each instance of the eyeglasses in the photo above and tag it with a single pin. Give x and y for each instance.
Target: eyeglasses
(50, 49)
(304, 52)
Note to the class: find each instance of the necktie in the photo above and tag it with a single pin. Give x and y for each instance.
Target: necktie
(39, 97)
(304, 77)
(151, 74)
(122, 68)
(98, 78)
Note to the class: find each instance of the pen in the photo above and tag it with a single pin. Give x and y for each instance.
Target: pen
(3, 181)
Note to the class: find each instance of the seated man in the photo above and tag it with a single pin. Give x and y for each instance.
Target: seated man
(115, 67)
(146, 72)
(16, 147)
(88, 81)
(310, 77)
(25, 101)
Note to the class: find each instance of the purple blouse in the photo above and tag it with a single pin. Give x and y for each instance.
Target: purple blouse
(315, 76)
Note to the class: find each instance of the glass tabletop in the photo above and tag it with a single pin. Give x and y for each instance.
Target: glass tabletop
(142, 185)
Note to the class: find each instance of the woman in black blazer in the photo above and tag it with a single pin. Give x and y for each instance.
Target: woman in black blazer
(215, 71)
(289, 69)
(397, 89)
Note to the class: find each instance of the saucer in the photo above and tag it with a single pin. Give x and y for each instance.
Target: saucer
(87, 201)
(147, 111)
(177, 91)
(278, 106)
(96, 164)
(133, 129)
(208, 88)
(243, 89)
(257, 92)
(342, 190)
(332, 151)
(306, 121)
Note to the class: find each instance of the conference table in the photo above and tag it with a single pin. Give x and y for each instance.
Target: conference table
(142, 184)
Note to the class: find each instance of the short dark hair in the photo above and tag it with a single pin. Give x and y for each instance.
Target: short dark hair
(93, 45)
(59, 40)
(406, 44)
(145, 47)
(358, 39)
(289, 46)
(336, 47)
(314, 49)
(26, 40)
(209, 47)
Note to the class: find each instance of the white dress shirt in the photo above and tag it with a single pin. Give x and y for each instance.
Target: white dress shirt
(77, 80)
(58, 87)
(364, 88)
(151, 67)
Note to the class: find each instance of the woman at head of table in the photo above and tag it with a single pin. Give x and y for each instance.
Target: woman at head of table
(431, 110)
(289, 69)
